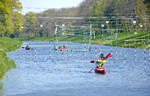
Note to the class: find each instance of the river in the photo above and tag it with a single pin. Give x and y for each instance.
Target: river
(43, 71)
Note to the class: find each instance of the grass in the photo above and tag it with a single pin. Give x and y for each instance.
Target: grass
(71, 38)
(7, 45)
(36, 39)
(124, 39)
(130, 39)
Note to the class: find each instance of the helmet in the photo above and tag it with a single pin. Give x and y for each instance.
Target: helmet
(101, 55)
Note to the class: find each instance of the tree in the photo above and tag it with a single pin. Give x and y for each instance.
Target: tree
(18, 20)
(31, 24)
(147, 3)
(7, 8)
(97, 9)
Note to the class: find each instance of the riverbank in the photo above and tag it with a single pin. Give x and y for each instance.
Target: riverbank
(36, 38)
(7, 45)
(125, 39)
(130, 40)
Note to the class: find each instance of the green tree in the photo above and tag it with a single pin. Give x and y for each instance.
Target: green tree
(7, 8)
(140, 8)
(18, 20)
(97, 10)
(96, 13)
(31, 24)
(147, 3)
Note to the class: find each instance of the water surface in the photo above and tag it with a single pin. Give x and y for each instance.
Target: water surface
(43, 71)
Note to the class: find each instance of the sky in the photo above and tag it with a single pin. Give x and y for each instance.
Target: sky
(41, 5)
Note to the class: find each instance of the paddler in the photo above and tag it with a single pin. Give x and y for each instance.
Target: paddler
(101, 61)
(27, 47)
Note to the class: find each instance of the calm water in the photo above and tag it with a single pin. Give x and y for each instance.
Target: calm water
(43, 71)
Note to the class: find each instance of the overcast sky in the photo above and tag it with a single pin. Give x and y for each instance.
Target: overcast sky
(41, 5)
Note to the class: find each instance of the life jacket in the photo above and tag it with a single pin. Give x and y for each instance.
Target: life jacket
(101, 61)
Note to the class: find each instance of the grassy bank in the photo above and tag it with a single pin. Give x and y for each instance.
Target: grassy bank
(125, 39)
(36, 39)
(138, 40)
(7, 45)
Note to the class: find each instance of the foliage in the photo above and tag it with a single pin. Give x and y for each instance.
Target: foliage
(140, 8)
(7, 45)
(7, 9)
(147, 3)
(18, 20)
(130, 40)
(31, 24)
(36, 38)
(97, 9)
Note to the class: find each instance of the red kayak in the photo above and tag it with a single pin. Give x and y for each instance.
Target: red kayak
(27, 48)
(62, 48)
(100, 70)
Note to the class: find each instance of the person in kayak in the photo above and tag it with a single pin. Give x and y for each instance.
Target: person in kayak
(27, 47)
(101, 61)
(64, 47)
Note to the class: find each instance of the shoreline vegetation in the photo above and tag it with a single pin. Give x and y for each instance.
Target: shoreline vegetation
(7, 45)
(125, 39)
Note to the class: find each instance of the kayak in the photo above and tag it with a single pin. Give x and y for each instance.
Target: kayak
(27, 48)
(62, 48)
(100, 70)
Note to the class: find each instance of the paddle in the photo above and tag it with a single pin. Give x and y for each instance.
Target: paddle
(106, 57)
(90, 70)
(92, 61)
